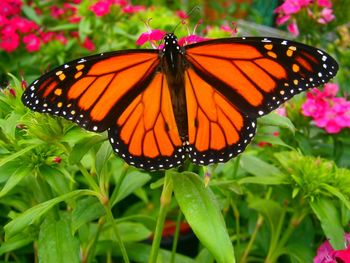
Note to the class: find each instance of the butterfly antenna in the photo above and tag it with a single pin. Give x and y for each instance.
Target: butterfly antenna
(195, 8)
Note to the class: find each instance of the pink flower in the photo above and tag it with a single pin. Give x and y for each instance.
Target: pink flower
(119, 2)
(132, 9)
(293, 29)
(47, 36)
(327, 111)
(56, 12)
(61, 38)
(9, 42)
(324, 3)
(290, 7)
(281, 111)
(10, 7)
(191, 39)
(282, 19)
(32, 42)
(150, 36)
(326, 16)
(3, 20)
(101, 8)
(330, 90)
(326, 254)
(88, 44)
(181, 14)
(24, 25)
(230, 29)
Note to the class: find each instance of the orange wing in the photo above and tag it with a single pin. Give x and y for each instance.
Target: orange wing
(93, 91)
(146, 134)
(258, 74)
(217, 131)
(231, 82)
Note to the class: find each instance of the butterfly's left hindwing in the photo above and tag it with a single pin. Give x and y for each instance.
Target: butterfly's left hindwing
(93, 91)
(146, 133)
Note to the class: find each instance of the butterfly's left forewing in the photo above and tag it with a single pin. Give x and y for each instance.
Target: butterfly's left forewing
(93, 91)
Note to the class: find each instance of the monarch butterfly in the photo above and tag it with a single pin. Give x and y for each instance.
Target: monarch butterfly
(199, 102)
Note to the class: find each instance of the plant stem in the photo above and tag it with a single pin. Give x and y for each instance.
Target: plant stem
(164, 203)
(111, 220)
(89, 178)
(258, 224)
(176, 237)
(235, 166)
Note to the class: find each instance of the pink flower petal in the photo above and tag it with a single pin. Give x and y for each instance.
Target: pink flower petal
(293, 29)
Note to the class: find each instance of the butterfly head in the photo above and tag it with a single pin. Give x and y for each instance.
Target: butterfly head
(171, 42)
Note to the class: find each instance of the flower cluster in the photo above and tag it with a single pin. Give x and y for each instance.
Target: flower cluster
(320, 11)
(326, 254)
(327, 111)
(103, 7)
(16, 29)
(13, 27)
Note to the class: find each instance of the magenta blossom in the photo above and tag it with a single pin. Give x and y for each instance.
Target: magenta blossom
(325, 3)
(88, 44)
(293, 29)
(150, 36)
(320, 11)
(326, 16)
(32, 42)
(132, 9)
(10, 7)
(327, 111)
(181, 14)
(9, 42)
(191, 39)
(326, 254)
(23, 25)
(101, 8)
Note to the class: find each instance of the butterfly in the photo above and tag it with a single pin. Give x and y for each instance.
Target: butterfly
(198, 102)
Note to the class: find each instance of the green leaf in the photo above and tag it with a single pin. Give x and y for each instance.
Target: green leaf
(273, 119)
(264, 180)
(88, 209)
(83, 146)
(258, 167)
(17, 154)
(330, 219)
(34, 214)
(274, 140)
(14, 179)
(103, 156)
(139, 252)
(31, 14)
(204, 256)
(129, 232)
(56, 179)
(199, 206)
(14, 243)
(130, 183)
(299, 252)
(56, 242)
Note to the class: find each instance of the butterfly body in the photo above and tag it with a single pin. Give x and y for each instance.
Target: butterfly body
(198, 102)
(173, 66)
